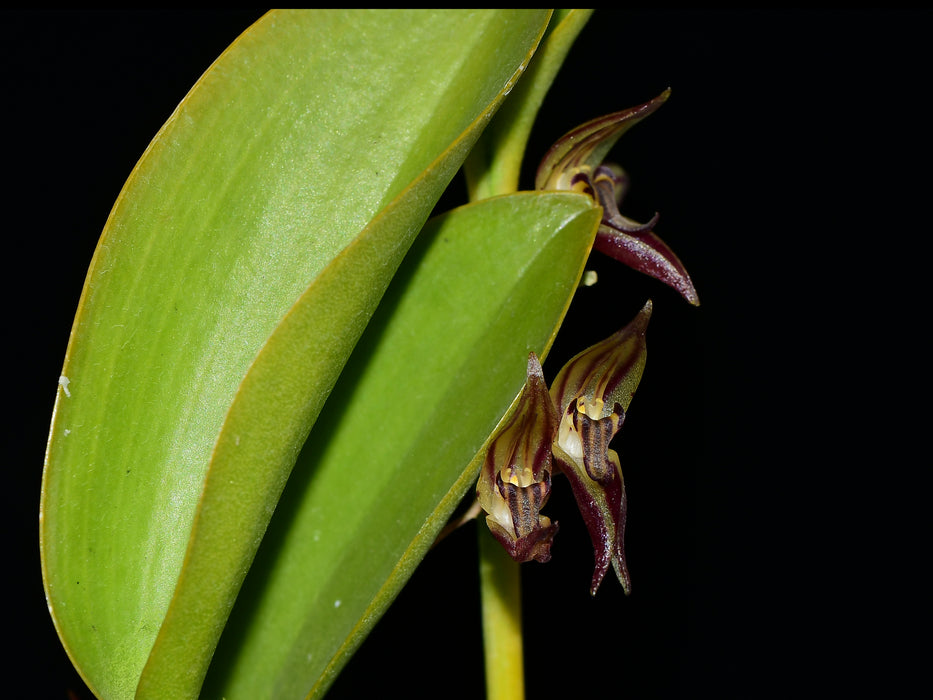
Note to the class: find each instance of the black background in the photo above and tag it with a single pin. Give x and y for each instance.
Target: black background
(788, 170)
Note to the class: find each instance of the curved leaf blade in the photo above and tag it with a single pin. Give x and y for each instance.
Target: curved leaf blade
(382, 469)
(272, 168)
(494, 166)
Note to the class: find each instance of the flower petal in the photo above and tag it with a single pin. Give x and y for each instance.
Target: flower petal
(608, 371)
(647, 253)
(581, 150)
(603, 507)
(634, 244)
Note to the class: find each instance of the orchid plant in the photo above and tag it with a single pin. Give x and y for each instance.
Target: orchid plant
(271, 324)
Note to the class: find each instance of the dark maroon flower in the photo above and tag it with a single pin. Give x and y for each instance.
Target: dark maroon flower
(515, 480)
(592, 393)
(575, 162)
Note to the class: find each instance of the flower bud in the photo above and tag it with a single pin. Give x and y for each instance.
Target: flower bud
(515, 481)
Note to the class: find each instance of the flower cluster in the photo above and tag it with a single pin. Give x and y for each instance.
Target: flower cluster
(566, 431)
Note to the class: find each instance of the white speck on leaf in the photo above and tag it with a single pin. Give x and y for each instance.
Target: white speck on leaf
(336, 603)
(63, 382)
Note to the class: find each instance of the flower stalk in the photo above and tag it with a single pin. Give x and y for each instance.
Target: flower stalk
(501, 604)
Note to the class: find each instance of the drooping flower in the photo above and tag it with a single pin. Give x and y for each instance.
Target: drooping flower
(567, 430)
(592, 393)
(515, 481)
(575, 162)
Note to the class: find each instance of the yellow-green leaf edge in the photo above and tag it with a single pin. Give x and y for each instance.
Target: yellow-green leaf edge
(198, 610)
(400, 438)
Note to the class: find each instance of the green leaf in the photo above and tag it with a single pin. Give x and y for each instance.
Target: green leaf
(494, 165)
(388, 459)
(241, 262)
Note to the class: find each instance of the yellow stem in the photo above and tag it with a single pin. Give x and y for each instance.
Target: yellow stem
(501, 597)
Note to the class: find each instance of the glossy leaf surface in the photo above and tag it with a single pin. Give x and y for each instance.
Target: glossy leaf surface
(390, 456)
(238, 268)
(495, 164)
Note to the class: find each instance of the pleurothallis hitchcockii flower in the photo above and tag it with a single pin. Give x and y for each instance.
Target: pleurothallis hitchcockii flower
(575, 162)
(592, 392)
(515, 479)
